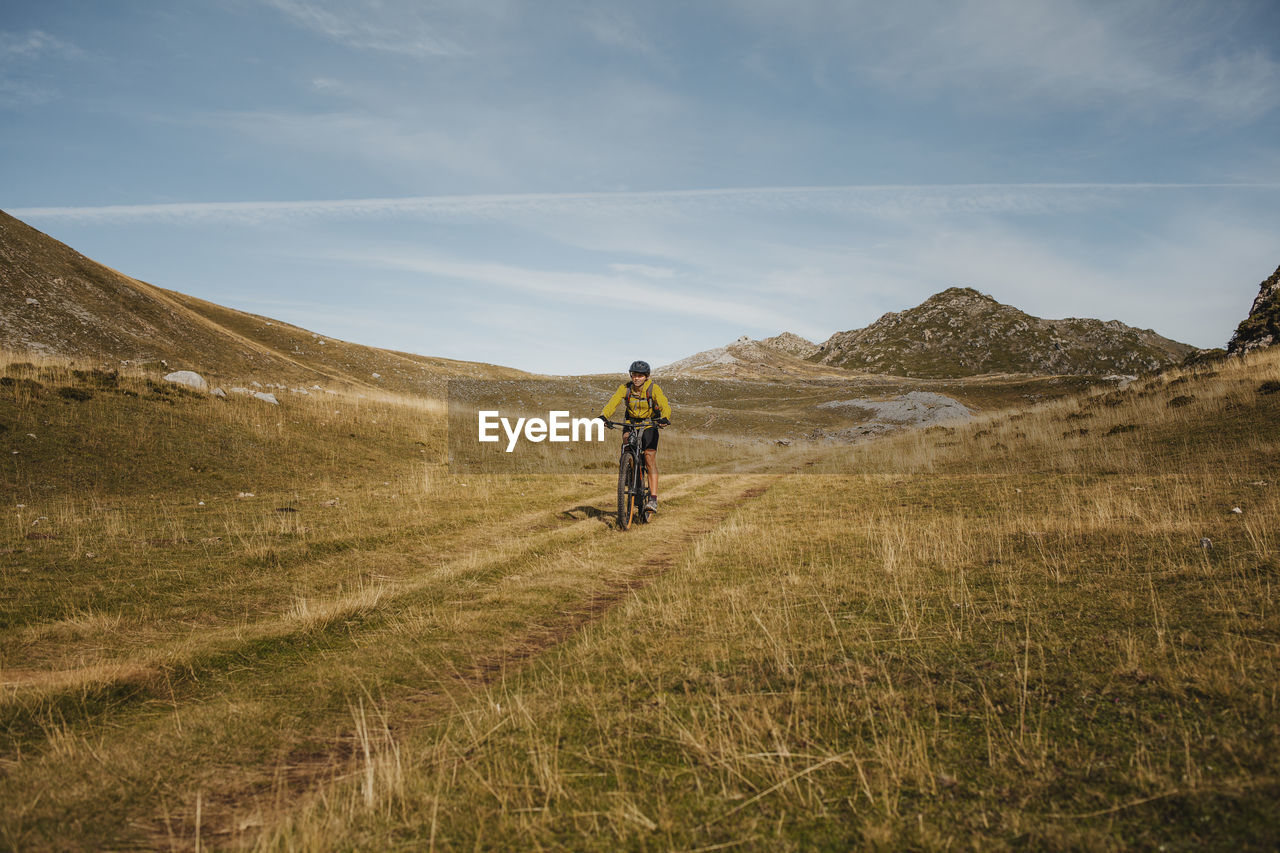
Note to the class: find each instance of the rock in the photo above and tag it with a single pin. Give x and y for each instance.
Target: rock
(189, 378)
(218, 392)
(1262, 327)
(377, 376)
(266, 397)
(31, 301)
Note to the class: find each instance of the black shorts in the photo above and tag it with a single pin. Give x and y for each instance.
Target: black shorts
(648, 439)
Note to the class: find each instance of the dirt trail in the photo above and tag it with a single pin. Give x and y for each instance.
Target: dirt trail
(483, 547)
(693, 508)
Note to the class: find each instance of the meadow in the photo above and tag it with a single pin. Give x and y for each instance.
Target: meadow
(231, 625)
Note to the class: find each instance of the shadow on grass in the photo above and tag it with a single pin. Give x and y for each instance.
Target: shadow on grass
(578, 513)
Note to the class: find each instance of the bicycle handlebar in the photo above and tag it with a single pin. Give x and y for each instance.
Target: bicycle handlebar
(637, 424)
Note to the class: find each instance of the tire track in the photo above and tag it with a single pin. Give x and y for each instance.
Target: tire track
(306, 771)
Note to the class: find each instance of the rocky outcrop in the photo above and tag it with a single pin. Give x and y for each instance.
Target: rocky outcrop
(1262, 327)
(791, 344)
(961, 332)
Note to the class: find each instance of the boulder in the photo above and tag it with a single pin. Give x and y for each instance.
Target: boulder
(266, 397)
(189, 378)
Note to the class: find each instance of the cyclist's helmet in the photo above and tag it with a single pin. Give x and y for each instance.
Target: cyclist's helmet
(640, 367)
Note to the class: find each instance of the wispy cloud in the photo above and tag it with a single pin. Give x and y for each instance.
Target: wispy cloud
(883, 201)
(34, 44)
(19, 52)
(1143, 56)
(575, 288)
(370, 25)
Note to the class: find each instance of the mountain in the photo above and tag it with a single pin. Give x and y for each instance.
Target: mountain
(961, 332)
(790, 344)
(1262, 327)
(55, 301)
(771, 358)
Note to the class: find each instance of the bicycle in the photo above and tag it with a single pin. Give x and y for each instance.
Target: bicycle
(633, 474)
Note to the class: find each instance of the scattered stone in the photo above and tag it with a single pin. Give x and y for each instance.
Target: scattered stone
(266, 397)
(1237, 510)
(189, 378)
(377, 376)
(256, 384)
(244, 495)
(31, 301)
(219, 393)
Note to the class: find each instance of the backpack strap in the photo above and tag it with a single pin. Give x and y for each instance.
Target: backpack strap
(648, 396)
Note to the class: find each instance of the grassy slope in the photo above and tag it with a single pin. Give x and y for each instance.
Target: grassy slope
(998, 635)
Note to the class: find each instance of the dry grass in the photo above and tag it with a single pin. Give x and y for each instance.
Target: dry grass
(995, 635)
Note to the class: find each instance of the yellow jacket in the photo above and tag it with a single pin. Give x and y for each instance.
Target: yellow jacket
(638, 407)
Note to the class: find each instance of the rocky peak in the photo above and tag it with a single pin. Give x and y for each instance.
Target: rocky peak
(962, 332)
(1262, 327)
(790, 344)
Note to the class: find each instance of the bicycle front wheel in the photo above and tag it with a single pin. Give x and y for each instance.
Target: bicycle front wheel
(626, 501)
(642, 497)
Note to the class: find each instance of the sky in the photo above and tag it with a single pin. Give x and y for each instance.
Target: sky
(565, 186)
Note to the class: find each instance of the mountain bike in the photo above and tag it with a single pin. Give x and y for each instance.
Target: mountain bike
(633, 475)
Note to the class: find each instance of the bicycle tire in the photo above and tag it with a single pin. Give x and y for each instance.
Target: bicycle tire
(626, 504)
(642, 496)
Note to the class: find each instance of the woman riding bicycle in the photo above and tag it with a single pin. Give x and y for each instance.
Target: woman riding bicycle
(644, 400)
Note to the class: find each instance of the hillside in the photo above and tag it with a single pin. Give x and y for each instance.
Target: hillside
(55, 301)
(775, 358)
(1262, 327)
(961, 332)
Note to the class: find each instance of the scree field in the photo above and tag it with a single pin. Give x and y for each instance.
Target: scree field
(225, 624)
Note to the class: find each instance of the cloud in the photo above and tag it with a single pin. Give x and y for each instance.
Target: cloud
(906, 201)
(18, 53)
(614, 29)
(574, 287)
(33, 45)
(644, 270)
(370, 25)
(1143, 56)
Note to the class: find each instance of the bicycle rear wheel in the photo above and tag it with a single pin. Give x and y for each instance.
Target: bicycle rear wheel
(626, 501)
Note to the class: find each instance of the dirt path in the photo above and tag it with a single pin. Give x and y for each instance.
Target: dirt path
(514, 589)
(694, 509)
